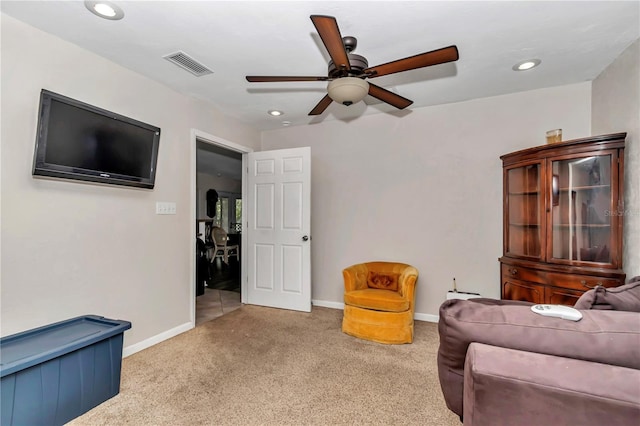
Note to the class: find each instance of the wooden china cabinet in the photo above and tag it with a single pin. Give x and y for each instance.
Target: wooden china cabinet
(562, 217)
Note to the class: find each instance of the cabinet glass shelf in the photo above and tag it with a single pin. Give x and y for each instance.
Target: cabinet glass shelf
(582, 225)
(525, 193)
(584, 188)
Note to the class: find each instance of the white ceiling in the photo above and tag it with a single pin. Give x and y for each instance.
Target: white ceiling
(574, 40)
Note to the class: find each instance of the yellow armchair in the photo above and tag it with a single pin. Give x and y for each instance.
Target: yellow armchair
(379, 301)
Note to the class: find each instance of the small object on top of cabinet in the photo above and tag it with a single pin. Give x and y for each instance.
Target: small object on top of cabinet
(554, 136)
(562, 216)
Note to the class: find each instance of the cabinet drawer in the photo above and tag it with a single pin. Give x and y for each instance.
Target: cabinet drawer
(579, 282)
(519, 290)
(523, 274)
(561, 296)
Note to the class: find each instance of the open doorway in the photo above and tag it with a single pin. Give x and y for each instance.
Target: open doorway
(218, 222)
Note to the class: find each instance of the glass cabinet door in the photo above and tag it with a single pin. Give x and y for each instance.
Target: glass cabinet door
(581, 206)
(524, 213)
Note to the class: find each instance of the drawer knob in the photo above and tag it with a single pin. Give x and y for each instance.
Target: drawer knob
(513, 271)
(584, 283)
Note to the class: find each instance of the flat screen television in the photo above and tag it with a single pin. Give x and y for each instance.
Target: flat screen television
(79, 141)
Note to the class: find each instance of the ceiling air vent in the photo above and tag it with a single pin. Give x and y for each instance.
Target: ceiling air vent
(185, 61)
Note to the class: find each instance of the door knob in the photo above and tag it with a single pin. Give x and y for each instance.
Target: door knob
(305, 238)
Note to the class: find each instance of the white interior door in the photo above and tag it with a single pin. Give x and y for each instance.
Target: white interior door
(279, 225)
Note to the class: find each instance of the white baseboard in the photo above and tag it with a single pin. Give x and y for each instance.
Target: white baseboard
(339, 305)
(328, 304)
(426, 317)
(137, 347)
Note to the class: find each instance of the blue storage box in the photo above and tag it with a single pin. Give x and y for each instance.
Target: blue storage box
(53, 374)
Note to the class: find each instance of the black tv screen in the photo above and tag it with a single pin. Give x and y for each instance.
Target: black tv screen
(79, 141)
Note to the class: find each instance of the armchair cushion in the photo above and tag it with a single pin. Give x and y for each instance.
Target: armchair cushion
(380, 300)
(383, 281)
(623, 298)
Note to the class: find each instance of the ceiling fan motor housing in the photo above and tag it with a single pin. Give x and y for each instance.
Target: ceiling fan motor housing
(358, 64)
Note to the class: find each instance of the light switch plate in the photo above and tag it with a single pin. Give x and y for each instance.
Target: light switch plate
(163, 207)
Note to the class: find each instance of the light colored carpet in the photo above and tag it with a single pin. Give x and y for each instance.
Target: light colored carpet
(265, 366)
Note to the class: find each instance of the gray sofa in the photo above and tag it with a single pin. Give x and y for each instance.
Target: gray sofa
(501, 364)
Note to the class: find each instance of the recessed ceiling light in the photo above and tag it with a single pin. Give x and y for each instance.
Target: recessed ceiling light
(526, 65)
(275, 112)
(104, 9)
(286, 123)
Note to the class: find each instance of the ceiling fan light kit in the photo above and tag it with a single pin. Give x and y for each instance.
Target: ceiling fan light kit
(348, 71)
(348, 90)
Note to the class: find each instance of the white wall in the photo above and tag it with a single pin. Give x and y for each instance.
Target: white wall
(425, 189)
(616, 108)
(70, 248)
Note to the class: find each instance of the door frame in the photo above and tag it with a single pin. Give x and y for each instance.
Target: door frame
(197, 135)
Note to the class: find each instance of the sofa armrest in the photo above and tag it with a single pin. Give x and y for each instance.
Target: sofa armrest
(608, 337)
(510, 387)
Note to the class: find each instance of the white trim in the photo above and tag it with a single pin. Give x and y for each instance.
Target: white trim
(132, 349)
(197, 135)
(193, 196)
(216, 140)
(426, 317)
(244, 277)
(340, 305)
(327, 304)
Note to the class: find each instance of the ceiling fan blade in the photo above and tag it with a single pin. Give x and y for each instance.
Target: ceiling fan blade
(327, 27)
(272, 79)
(435, 57)
(389, 97)
(322, 105)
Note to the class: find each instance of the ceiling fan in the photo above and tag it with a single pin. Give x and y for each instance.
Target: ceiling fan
(348, 72)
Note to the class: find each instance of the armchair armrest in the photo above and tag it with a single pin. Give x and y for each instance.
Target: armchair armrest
(407, 284)
(355, 277)
(510, 387)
